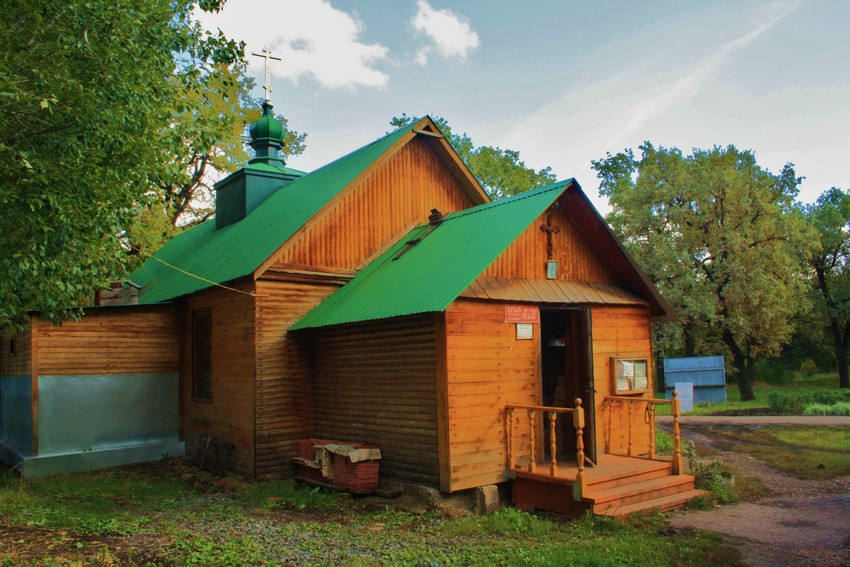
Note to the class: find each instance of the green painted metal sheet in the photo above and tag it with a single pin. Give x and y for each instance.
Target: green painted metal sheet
(426, 276)
(237, 250)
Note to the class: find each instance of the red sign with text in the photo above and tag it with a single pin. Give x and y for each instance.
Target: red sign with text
(522, 314)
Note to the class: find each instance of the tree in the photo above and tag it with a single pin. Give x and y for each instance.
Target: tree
(207, 141)
(721, 238)
(501, 172)
(92, 97)
(830, 216)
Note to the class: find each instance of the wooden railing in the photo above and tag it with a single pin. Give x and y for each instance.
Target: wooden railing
(649, 418)
(515, 412)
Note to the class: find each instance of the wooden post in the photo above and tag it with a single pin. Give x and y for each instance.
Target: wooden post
(553, 442)
(629, 420)
(532, 462)
(610, 405)
(650, 410)
(509, 427)
(580, 485)
(677, 435)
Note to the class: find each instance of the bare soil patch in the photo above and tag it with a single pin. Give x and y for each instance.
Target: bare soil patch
(790, 522)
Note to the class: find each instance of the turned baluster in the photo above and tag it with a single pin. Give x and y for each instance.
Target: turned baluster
(553, 442)
(580, 485)
(629, 413)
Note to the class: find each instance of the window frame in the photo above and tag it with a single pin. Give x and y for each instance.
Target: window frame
(616, 377)
(202, 355)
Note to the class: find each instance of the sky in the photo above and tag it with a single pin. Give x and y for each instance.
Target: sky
(563, 82)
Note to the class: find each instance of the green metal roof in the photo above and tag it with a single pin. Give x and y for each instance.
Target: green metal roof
(217, 256)
(427, 275)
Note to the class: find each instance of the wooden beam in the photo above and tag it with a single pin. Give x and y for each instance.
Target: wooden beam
(443, 426)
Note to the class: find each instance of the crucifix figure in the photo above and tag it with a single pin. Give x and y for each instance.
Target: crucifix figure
(266, 54)
(550, 229)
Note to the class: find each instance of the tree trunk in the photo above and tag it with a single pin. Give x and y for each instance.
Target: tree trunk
(745, 385)
(841, 356)
(840, 337)
(744, 367)
(689, 337)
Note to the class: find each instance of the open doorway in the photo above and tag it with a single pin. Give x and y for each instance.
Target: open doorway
(566, 374)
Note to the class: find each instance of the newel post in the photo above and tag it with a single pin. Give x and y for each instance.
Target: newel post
(677, 434)
(580, 485)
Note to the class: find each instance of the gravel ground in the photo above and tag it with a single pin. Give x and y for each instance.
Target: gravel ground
(802, 522)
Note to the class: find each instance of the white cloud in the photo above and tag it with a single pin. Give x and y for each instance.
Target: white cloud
(450, 32)
(312, 37)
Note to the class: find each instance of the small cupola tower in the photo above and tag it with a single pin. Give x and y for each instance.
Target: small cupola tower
(267, 138)
(238, 194)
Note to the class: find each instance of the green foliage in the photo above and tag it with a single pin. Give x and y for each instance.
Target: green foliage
(773, 371)
(830, 217)
(795, 403)
(225, 551)
(840, 408)
(808, 367)
(110, 114)
(785, 404)
(108, 502)
(720, 237)
(286, 494)
(663, 442)
(203, 528)
(817, 452)
(500, 171)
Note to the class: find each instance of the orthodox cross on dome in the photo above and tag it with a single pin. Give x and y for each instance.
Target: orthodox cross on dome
(550, 229)
(266, 54)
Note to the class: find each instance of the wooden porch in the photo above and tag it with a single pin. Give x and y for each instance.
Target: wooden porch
(616, 485)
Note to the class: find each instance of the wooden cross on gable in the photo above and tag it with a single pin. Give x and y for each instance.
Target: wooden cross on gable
(266, 54)
(550, 229)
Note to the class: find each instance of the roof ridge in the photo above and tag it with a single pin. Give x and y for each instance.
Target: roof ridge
(509, 200)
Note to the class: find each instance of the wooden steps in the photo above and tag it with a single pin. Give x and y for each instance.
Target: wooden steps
(618, 487)
(663, 493)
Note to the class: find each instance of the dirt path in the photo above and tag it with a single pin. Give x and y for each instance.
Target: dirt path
(802, 522)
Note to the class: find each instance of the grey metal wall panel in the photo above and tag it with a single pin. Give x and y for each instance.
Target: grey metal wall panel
(93, 412)
(704, 394)
(16, 413)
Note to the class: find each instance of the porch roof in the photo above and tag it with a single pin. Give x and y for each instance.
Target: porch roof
(550, 291)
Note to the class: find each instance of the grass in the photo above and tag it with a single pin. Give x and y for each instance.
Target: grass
(806, 386)
(159, 514)
(810, 453)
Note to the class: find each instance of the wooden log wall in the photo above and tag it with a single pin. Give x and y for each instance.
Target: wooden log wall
(283, 381)
(620, 331)
(379, 210)
(486, 368)
(229, 416)
(376, 382)
(117, 340)
(19, 362)
(578, 260)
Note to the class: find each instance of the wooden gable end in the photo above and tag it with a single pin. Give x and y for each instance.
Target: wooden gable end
(584, 248)
(380, 207)
(577, 256)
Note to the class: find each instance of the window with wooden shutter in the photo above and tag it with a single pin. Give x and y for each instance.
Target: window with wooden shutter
(202, 354)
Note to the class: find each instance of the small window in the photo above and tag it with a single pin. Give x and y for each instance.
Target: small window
(202, 355)
(629, 375)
